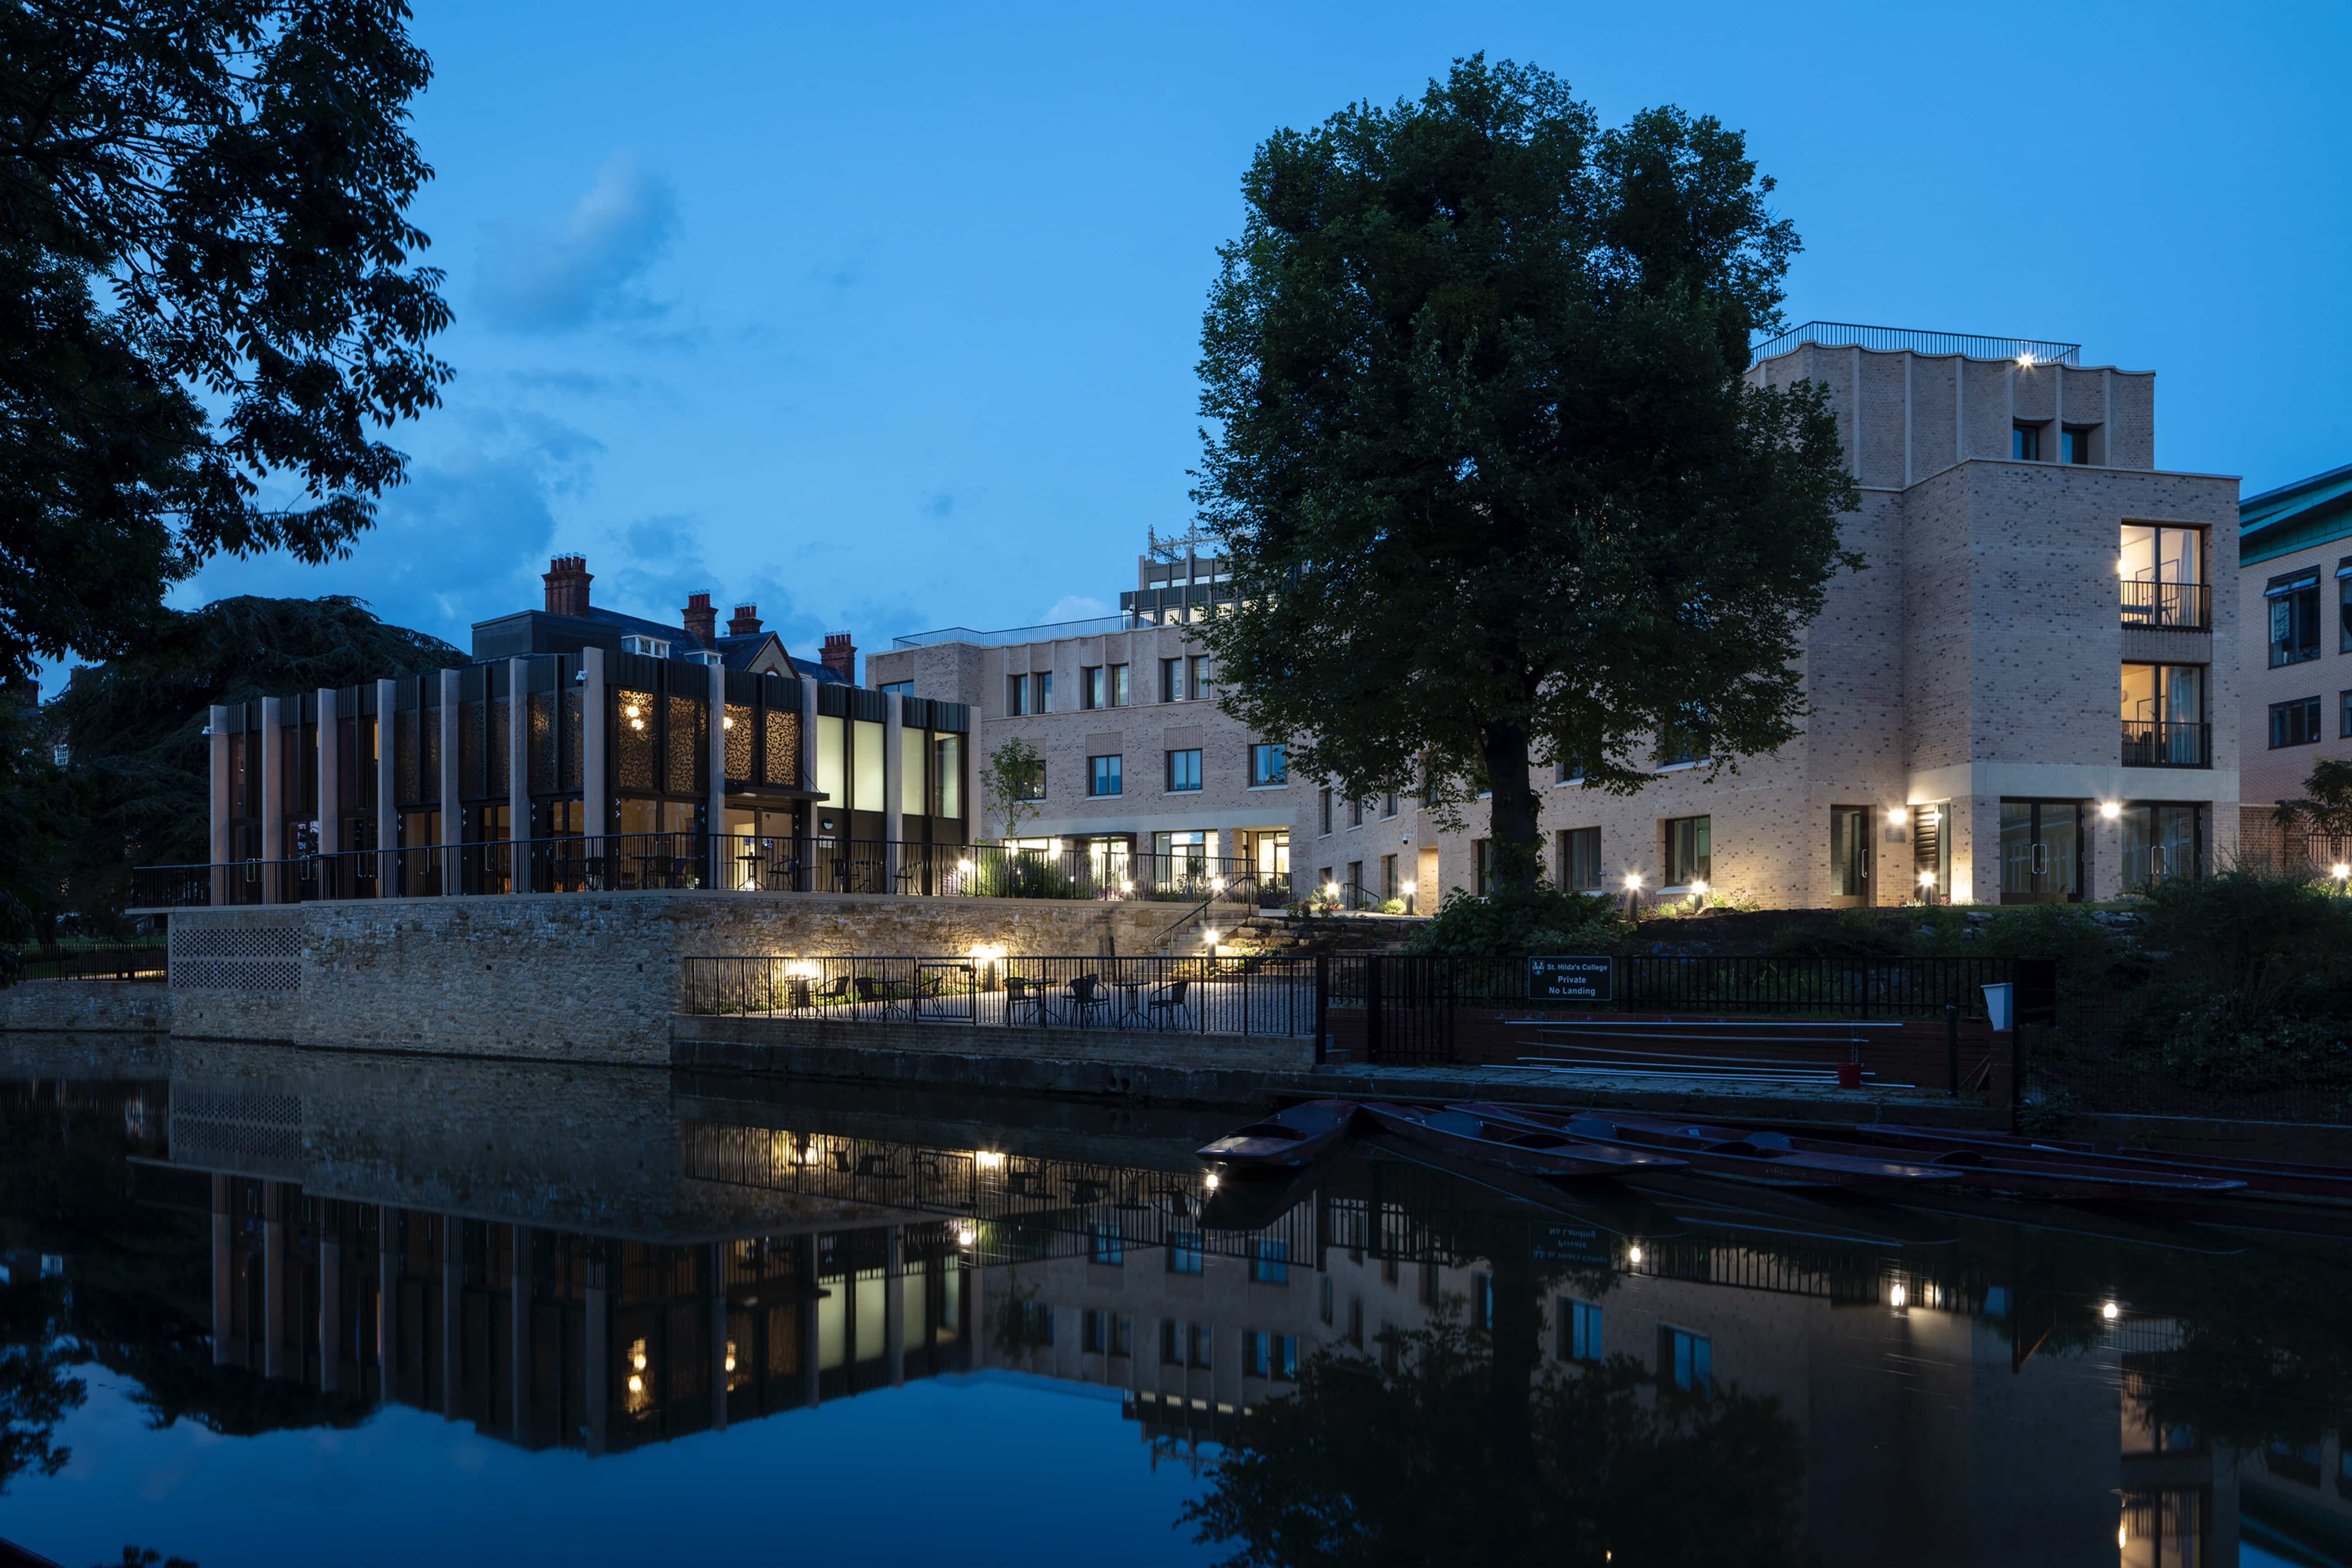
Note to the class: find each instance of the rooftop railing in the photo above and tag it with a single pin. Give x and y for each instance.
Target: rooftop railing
(720, 862)
(1894, 340)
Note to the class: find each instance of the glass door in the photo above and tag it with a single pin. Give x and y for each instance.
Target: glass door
(2041, 851)
(1849, 856)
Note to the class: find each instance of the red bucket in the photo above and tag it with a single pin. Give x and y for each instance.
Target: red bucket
(1849, 1074)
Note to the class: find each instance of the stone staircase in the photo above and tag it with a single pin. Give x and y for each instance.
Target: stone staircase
(1306, 936)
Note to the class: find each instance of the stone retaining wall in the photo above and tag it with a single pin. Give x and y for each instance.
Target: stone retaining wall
(580, 978)
(86, 1007)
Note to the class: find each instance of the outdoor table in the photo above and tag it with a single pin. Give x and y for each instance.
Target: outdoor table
(1129, 995)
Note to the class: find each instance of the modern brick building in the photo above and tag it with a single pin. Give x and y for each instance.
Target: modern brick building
(2016, 700)
(2294, 606)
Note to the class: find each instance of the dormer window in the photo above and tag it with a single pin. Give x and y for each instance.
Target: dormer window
(648, 647)
(704, 656)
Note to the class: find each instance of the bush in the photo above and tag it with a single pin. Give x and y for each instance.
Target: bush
(1522, 924)
(1023, 876)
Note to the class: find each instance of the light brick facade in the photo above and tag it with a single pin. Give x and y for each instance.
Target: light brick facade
(2298, 538)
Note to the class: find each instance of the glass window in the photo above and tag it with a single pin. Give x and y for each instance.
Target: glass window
(2075, 444)
(1323, 803)
(1686, 1359)
(2025, 443)
(865, 788)
(1042, 688)
(2293, 598)
(2294, 723)
(1579, 860)
(1850, 852)
(1689, 851)
(1200, 1346)
(1171, 680)
(1016, 696)
(1036, 789)
(1198, 673)
(2344, 700)
(1102, 776)
(898, 689)
(2162, 841)
(1481, 866)
(2041, 851)
(1267, 766)
(1092, 688)
(1388, 805)
(911, 799)
(1106, 1244)
(1116, 680)
(1270, 1262)
(1355, 813)
(2344, 605)
(832, 766)
(1578, 1328)
(2162, 573)
(946, 774)
(1184, 770)
(1185, 1255)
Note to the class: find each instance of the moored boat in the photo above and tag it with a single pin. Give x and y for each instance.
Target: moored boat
(1513, 1145)
(1738, 1159)
(1289, 1137)
(2027, 1171)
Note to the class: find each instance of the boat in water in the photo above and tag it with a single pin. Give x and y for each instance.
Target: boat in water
(1288, 1137)
(1737, 1158)
(1513, 1145)
(2027, 1170)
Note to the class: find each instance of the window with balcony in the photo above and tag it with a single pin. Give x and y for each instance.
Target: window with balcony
(2162, 575)
(2293, 601)
(2294, 723)
(1103, 776)
(2164, 717)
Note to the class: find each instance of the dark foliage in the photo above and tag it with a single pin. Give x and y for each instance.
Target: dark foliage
(1518, 924)
(1482, 457)
(205, 292)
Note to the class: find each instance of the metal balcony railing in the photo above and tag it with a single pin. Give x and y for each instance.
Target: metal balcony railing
(2161, 743)
(1850, 334)
(2168, 606)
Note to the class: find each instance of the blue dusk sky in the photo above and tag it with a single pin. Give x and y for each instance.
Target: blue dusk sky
(886, 316)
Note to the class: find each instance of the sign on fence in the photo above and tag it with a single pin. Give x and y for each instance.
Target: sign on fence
(1572, 979)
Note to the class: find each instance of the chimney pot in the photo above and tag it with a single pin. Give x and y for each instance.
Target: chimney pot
(841, 655)
(745, 622)
(701, 621)
(567, 579)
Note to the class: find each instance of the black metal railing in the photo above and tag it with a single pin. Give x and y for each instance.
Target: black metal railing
(2168, 606)
(1252, 996)
(2166, 743)
(1889, 340)
(714, 861)
(95, 961)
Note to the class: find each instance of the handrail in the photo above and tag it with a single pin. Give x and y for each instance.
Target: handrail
(1216, 896)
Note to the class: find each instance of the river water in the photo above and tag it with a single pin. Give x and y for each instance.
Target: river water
(269, 1306)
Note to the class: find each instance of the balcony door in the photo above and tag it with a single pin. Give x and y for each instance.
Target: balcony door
(2163, 575)
(2164, 717)
(1850, 859)
(2041, 851)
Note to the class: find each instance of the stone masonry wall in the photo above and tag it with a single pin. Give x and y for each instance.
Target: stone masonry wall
(88, 1007)
(573, 978)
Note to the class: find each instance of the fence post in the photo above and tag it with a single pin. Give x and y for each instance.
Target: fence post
(1322, 1008)
(1952, 1048)
(2016, 1068)
(1372, 1041)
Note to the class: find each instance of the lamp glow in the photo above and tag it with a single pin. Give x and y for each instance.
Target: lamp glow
(2111, 810)
(966, 1235)
(1633, 1254)
(1126, 885)
(1210, 937)
(2339, 872)
(987, 1159)
(2110, 1311)
(1632, 881)
(1898, 1296)
(1406, 888)
(1698, 889)
(1926, 879)
(1209, 1181)
(1897, 815)
(728, 722)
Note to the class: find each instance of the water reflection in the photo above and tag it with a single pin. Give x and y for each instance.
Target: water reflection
(1386, 1359)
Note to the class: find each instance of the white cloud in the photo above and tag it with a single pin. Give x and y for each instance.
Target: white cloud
(1074, 607)
(555, 276)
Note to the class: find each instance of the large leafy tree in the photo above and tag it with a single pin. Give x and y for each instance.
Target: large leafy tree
(132, 729)
(207, 305)
(1483, 459)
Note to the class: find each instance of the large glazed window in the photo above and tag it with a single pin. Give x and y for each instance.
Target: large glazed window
(2294, 601)
(1690, 851)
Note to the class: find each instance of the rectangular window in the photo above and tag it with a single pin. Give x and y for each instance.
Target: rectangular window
(1850, 852)
(1200, 1346)
(1355, 813)
(1171, 1343)
(1183, 770)
(1016, 696)
(1481, 866)
(1253, 1352)
(2344, 701)
(1042, 688)
(1266, 765)
(1115, 679)
(2344, 605)
(1122, 1336)
(1567, 773)
(911, 798)
(2075, 444)
(832, 766)
(1355, 885)
(1482, 1301)
(2162, 841)
(1093, 1336)
(1388, 805)
(897, 688)
(1090, 686)
(2162, 573)
(1685, 1360)
(1578, 1329)
(1282, 1357)
(1106, 1244)
(1171, 680)
(1323, 803)
(1197, 676)
(2295, 723)
(1102, 776)
(1184, 1253)
(1270, 1262)
(1689, 852)
(2041, 851)
(1579, 860)
(1036, 788)
(2293, 600)
(946, 774)
(2025, 443)
(1390, 887)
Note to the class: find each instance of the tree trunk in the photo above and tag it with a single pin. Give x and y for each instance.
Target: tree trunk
(1517, 850)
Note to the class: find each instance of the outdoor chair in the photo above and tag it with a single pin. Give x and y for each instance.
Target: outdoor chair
(835, 990)
(876, 993)
(1023, 993)
(1165, 1005)
(1086, 995)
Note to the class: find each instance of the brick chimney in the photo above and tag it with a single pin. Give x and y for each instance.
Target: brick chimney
(567, 582)
(745, 622)
(841, 655)
(699, 619)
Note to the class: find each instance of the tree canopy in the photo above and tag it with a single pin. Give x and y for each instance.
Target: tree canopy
(1482, 455)
(207, 296)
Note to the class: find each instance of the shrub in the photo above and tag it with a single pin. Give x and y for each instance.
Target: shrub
(1519, 925)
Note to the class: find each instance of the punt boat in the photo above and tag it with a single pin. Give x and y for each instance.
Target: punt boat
(2026, 1170)
(1289, 1137)
(1542, 1151)
(1737, 1158)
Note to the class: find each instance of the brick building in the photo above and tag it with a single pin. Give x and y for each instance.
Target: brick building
(2294, 604)
(2016, 700)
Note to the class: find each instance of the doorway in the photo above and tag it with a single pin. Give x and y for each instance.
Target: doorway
(2041, 851)
(1850, 858)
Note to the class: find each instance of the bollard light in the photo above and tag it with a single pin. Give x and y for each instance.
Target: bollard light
(1633, 881)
